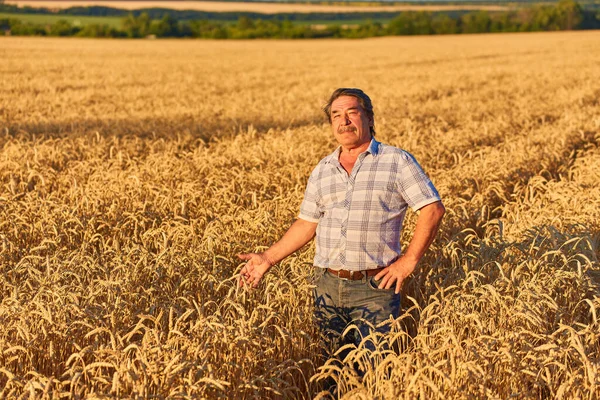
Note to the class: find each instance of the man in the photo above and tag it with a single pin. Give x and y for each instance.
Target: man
(355, 202)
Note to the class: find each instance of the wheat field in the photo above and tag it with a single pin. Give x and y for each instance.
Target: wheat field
(133, 172)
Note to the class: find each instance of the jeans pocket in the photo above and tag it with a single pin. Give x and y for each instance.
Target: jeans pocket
(318, 274)
(374, 285)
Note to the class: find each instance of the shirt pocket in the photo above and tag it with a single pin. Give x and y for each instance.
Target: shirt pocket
(376, 196)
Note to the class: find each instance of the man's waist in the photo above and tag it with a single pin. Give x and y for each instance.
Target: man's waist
(354, 275)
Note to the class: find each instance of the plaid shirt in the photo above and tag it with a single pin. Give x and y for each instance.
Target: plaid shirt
(360, 215)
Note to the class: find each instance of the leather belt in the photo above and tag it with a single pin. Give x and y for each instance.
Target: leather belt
(354, 275)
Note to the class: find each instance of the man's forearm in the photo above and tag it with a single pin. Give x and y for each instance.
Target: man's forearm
(300, 233)
(427, 226)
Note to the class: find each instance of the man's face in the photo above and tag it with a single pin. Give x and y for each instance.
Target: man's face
(349, 122)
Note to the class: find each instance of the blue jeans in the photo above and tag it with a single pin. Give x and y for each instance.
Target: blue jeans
(340, 303)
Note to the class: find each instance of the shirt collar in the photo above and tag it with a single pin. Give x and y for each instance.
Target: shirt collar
(372, 149)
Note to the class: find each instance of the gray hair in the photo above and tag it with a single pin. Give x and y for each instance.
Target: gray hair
(363, 100)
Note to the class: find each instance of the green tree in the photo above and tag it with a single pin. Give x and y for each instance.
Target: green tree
(19, 28)
(5, 24)
(476, 22)
(569, 14)
(99, 30)
(422, 24)
(167, 26)
(208, 29)
(411, 23)
(543, 18)
(62, 28)
(443, 24)
(135, 27)
(368, 29)
(334, 30)
(244, 23)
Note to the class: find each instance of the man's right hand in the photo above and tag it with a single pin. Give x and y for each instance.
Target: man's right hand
(255, 268)
(300, 233)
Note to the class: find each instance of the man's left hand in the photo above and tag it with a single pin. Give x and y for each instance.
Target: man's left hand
(425, 230)
(396, 273)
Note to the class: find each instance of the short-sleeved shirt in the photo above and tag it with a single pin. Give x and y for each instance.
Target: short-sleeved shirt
(360, 215)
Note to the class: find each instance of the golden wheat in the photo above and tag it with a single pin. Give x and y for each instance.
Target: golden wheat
(133, 172)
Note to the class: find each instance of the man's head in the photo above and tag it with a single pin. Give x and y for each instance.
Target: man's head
(350, 114)
(363, 100)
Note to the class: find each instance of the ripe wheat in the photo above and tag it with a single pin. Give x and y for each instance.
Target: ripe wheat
(133, 172)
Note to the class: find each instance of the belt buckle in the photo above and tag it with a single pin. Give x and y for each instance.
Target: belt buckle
(356, 272)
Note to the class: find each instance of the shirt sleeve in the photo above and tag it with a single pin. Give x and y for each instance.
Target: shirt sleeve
(414, 185)
(309, 209)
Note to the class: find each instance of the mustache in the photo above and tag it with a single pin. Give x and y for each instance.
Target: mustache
(343, 129)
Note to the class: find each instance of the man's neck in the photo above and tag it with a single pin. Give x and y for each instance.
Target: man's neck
(353, 152)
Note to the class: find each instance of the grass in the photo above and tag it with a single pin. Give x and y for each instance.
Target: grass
(43, 19)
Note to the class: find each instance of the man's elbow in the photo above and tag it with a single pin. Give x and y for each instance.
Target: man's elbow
(441, 210)
(308, 228)
(436, 211)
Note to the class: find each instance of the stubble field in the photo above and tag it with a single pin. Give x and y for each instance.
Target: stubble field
(133, 172)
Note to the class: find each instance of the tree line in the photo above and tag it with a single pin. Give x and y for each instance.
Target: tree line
(564, 15)
(183, 15)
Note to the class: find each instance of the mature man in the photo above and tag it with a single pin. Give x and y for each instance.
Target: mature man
(355, 202)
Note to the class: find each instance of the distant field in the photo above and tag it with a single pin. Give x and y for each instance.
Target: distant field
(76, 20)
(265, 8)
(351, 22)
